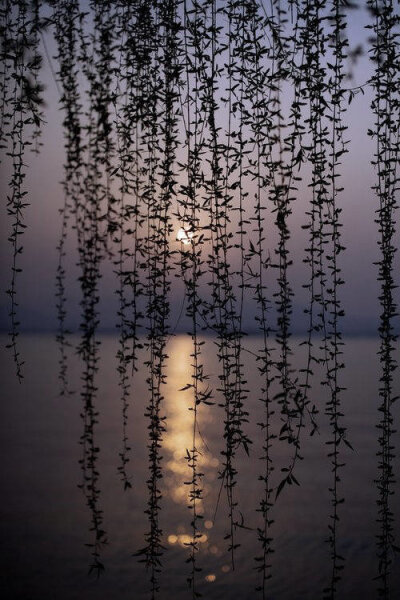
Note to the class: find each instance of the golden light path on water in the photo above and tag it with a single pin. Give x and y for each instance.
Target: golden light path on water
(177, 440)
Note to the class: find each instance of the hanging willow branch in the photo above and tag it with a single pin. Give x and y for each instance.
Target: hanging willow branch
(164, 78)
(21, 119)
(333, 337)
(191, 262)
(85, 192)
(259, 121)
(67, 34)
(386, 109)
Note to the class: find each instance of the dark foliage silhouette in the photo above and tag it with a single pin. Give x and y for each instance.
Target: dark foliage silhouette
(191, 129)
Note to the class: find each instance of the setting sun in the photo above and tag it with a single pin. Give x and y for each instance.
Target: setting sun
(185, 235)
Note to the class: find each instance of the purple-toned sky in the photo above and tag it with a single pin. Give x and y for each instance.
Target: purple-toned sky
(36, 285)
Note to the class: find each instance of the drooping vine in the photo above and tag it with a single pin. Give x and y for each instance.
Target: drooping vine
(162, 137)
(385, 131)
(134, 57)
(66, 32)
(259, 121)
(21, 119)
(333, 337)
(191, 261)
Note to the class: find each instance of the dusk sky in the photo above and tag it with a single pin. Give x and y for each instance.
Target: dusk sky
(36, 285)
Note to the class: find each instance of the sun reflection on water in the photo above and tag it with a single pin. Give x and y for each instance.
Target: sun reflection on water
(179, 435)
(179, 439)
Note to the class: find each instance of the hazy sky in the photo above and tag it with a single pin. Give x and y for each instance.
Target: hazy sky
(37, 284)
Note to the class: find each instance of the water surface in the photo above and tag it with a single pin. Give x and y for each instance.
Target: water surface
(44, 520)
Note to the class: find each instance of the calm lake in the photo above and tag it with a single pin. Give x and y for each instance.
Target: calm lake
(45, 522)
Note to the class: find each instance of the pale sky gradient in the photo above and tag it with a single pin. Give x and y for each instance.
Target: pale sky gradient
(37, 283)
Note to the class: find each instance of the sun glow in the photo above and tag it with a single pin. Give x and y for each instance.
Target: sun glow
(185, 235)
